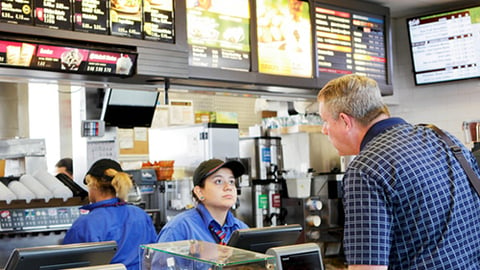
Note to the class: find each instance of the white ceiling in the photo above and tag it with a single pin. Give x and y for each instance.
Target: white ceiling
(405, 8)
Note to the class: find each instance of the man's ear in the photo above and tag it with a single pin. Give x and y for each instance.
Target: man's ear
(346, 119)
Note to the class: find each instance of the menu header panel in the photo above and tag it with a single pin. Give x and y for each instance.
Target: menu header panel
(218, 34)
(350, 42)
(284, 38)
(66, 58)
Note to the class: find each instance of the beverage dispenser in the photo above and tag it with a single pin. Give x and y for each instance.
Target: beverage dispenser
(261, 205)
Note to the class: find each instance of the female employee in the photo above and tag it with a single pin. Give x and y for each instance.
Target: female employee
(215, 191)
(110, 217)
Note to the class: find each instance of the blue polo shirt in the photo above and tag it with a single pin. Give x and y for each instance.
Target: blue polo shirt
(113, 219)
(193, 225)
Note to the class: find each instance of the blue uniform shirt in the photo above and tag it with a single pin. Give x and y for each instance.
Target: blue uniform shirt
(193, 225)
(112, 219)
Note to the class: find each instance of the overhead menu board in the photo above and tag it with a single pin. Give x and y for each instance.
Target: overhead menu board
(445, 46)
(218, 34)
(55, 14)
(16, 11)
(158, 20)
(350, 42)
(65, 58)
(284, 38)
(90, 16)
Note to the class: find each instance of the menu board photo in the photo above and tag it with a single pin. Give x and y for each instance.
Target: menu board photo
(218, 34)
(350, 42)
(158, 20)
(16, 11)
(284, 38)
(54, 14)
(445, 46)
(66, 58)
(90, 16)
(126, 18)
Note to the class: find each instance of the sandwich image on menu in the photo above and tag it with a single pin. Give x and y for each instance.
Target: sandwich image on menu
(126, 18)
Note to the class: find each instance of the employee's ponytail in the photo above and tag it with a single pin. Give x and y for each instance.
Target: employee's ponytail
(121, 182)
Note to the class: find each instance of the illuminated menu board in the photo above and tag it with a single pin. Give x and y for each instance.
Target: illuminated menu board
(16, 11)
(350, 42)
(218, 34)
(284, 38)
(445, 46)
(67, 59)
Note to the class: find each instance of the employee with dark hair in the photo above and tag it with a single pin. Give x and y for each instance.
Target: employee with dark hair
(110, 217)
(65, 166)
(215, 191)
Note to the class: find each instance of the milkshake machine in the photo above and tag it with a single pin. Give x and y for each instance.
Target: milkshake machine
(260, 201)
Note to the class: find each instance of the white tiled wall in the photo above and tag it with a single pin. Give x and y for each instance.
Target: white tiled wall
(446, 105)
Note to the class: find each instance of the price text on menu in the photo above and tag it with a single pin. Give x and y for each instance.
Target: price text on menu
(350, 42)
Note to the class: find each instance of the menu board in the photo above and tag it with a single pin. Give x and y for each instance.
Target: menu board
(16, 11)
(90, 16)
(65, 58)
(284, 38)
(350, 42)
(126, 18)
(218, 34)
(55, 14)
(445, 46)
(158, 20)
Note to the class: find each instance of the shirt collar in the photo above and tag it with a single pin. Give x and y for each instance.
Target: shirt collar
(208, 219)
(380, 127)
(105, 203)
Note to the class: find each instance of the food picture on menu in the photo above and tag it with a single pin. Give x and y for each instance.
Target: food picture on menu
(126, 6)
(284, 26)
(71, 59)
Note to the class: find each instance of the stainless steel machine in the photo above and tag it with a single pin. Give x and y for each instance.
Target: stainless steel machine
(260, 201)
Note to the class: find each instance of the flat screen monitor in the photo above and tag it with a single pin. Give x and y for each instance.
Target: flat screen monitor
(445, 45)
(128, 108)
(55, 257)
(261, 239)
(297, 257)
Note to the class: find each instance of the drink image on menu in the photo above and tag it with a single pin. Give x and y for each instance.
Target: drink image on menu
(13, 55)
(26, 54)
(124, 65)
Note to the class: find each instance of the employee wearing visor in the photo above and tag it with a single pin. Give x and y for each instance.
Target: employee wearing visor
(215, 192)
(110, 217)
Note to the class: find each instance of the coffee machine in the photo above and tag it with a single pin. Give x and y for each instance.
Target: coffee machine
(260, 199)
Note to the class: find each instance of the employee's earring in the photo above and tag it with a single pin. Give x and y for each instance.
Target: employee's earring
(202, 198)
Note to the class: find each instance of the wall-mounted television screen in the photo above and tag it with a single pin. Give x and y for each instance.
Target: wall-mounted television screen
(445, 46)
(128, 108)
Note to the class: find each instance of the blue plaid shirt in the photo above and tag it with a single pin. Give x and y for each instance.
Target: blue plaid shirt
(408, 203)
